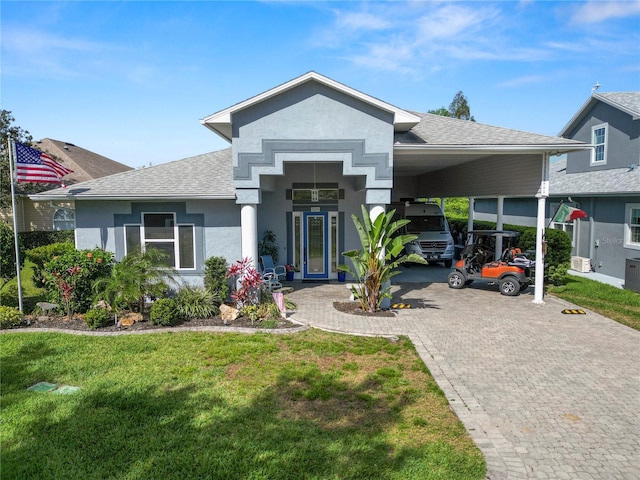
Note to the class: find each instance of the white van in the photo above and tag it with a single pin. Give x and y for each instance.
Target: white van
(434, 242)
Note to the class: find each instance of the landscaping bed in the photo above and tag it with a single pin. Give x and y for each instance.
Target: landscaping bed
(78, 323)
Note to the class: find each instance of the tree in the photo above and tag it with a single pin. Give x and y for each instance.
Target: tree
(8, 130)
(382, 252)
(8, 254)
(458, 108)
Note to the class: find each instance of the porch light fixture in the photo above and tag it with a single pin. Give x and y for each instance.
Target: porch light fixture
(314, 191)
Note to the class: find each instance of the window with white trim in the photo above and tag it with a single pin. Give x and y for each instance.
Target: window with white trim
(599, 134)
(162, 232)
(632, 226)
(64, 219)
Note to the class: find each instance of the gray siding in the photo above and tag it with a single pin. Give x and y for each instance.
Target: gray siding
(520, 176)
(623, 143)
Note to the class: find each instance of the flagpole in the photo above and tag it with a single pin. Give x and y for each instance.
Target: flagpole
(11, 144)
(555, 213)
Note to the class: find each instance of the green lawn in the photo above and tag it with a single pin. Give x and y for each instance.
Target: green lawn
(620, 305)
(312, 405)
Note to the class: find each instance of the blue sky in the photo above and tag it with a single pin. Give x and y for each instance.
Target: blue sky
(131, 80)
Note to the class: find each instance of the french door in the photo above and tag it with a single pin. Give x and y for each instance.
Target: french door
(315, 238)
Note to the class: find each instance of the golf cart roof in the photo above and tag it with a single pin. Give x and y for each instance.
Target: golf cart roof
(494, 233)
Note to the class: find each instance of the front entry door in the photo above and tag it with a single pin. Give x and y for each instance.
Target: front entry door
(315, 238)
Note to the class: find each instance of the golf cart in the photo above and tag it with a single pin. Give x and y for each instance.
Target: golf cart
(512, 271)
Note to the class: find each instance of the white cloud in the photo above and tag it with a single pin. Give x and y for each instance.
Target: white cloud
(526, 80)
(598, 11)
(360, 21)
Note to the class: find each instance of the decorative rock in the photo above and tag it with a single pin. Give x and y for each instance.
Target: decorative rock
(104, 305)
(46, 306)
(228, 313)
(129, 319)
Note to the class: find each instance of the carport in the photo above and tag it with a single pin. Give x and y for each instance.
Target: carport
(446, 157)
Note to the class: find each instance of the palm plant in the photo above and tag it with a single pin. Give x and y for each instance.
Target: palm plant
(138, 275)
(382, 252)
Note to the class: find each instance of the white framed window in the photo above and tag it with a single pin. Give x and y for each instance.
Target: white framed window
(162, 232)
(64, 219)
(599, 135)
(632, 226)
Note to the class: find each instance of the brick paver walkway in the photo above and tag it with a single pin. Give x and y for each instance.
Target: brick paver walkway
(544, 395)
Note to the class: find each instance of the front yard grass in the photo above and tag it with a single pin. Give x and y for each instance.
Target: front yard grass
(186, 405)
(620, 305)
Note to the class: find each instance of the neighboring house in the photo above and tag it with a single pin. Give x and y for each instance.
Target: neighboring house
(604, 182)
(49, 215)
(304, 157)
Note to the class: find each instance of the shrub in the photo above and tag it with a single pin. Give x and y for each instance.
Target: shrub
(247, 281)
(9, 316)
(197, 303)
(164, 312)
(98, 317)
(215, 276)
(38, 239)
(8, 253)
(68, 278)
(41, 255)
(557, 275)
(9, 295)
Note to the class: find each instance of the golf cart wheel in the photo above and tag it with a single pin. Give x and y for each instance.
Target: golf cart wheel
(509, 286)
(456, 280)
(448, 263)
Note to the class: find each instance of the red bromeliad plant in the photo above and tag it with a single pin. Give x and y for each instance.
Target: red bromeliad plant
(247, 282)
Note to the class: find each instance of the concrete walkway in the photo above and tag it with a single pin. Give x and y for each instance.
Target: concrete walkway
(544, 395)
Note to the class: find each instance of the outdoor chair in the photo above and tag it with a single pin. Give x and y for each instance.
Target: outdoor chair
(270, 279)
(268, 266)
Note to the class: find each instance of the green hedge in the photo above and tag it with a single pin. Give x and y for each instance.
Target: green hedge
(38, 239)
(558, 242)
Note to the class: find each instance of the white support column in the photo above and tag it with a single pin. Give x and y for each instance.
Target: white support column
(470, 221)
(249, 229)
(543, 193)
(499, 226)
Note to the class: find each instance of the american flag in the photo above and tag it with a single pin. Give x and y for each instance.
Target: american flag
(35, 166)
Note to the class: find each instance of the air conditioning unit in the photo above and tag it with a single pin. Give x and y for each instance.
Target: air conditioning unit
(581, 264)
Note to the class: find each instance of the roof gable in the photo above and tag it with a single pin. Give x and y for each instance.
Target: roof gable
(627, 102)
(220, 122)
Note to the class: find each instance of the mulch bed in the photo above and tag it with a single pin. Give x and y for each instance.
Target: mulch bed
(354, 308)
(77, 323)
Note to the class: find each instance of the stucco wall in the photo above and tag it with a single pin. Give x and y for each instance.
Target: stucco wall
(217, 227)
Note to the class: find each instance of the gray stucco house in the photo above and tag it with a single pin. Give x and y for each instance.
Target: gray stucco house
(603, 181)
(304, 156)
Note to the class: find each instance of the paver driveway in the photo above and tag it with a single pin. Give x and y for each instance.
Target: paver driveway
(543, 394)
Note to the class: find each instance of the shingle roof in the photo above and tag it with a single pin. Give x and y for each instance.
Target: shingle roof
(597, 182)
(204, 176)
(86, 165)
(628, 102)
(440, 130)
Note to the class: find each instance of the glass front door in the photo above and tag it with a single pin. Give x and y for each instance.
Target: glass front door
(315, 235)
